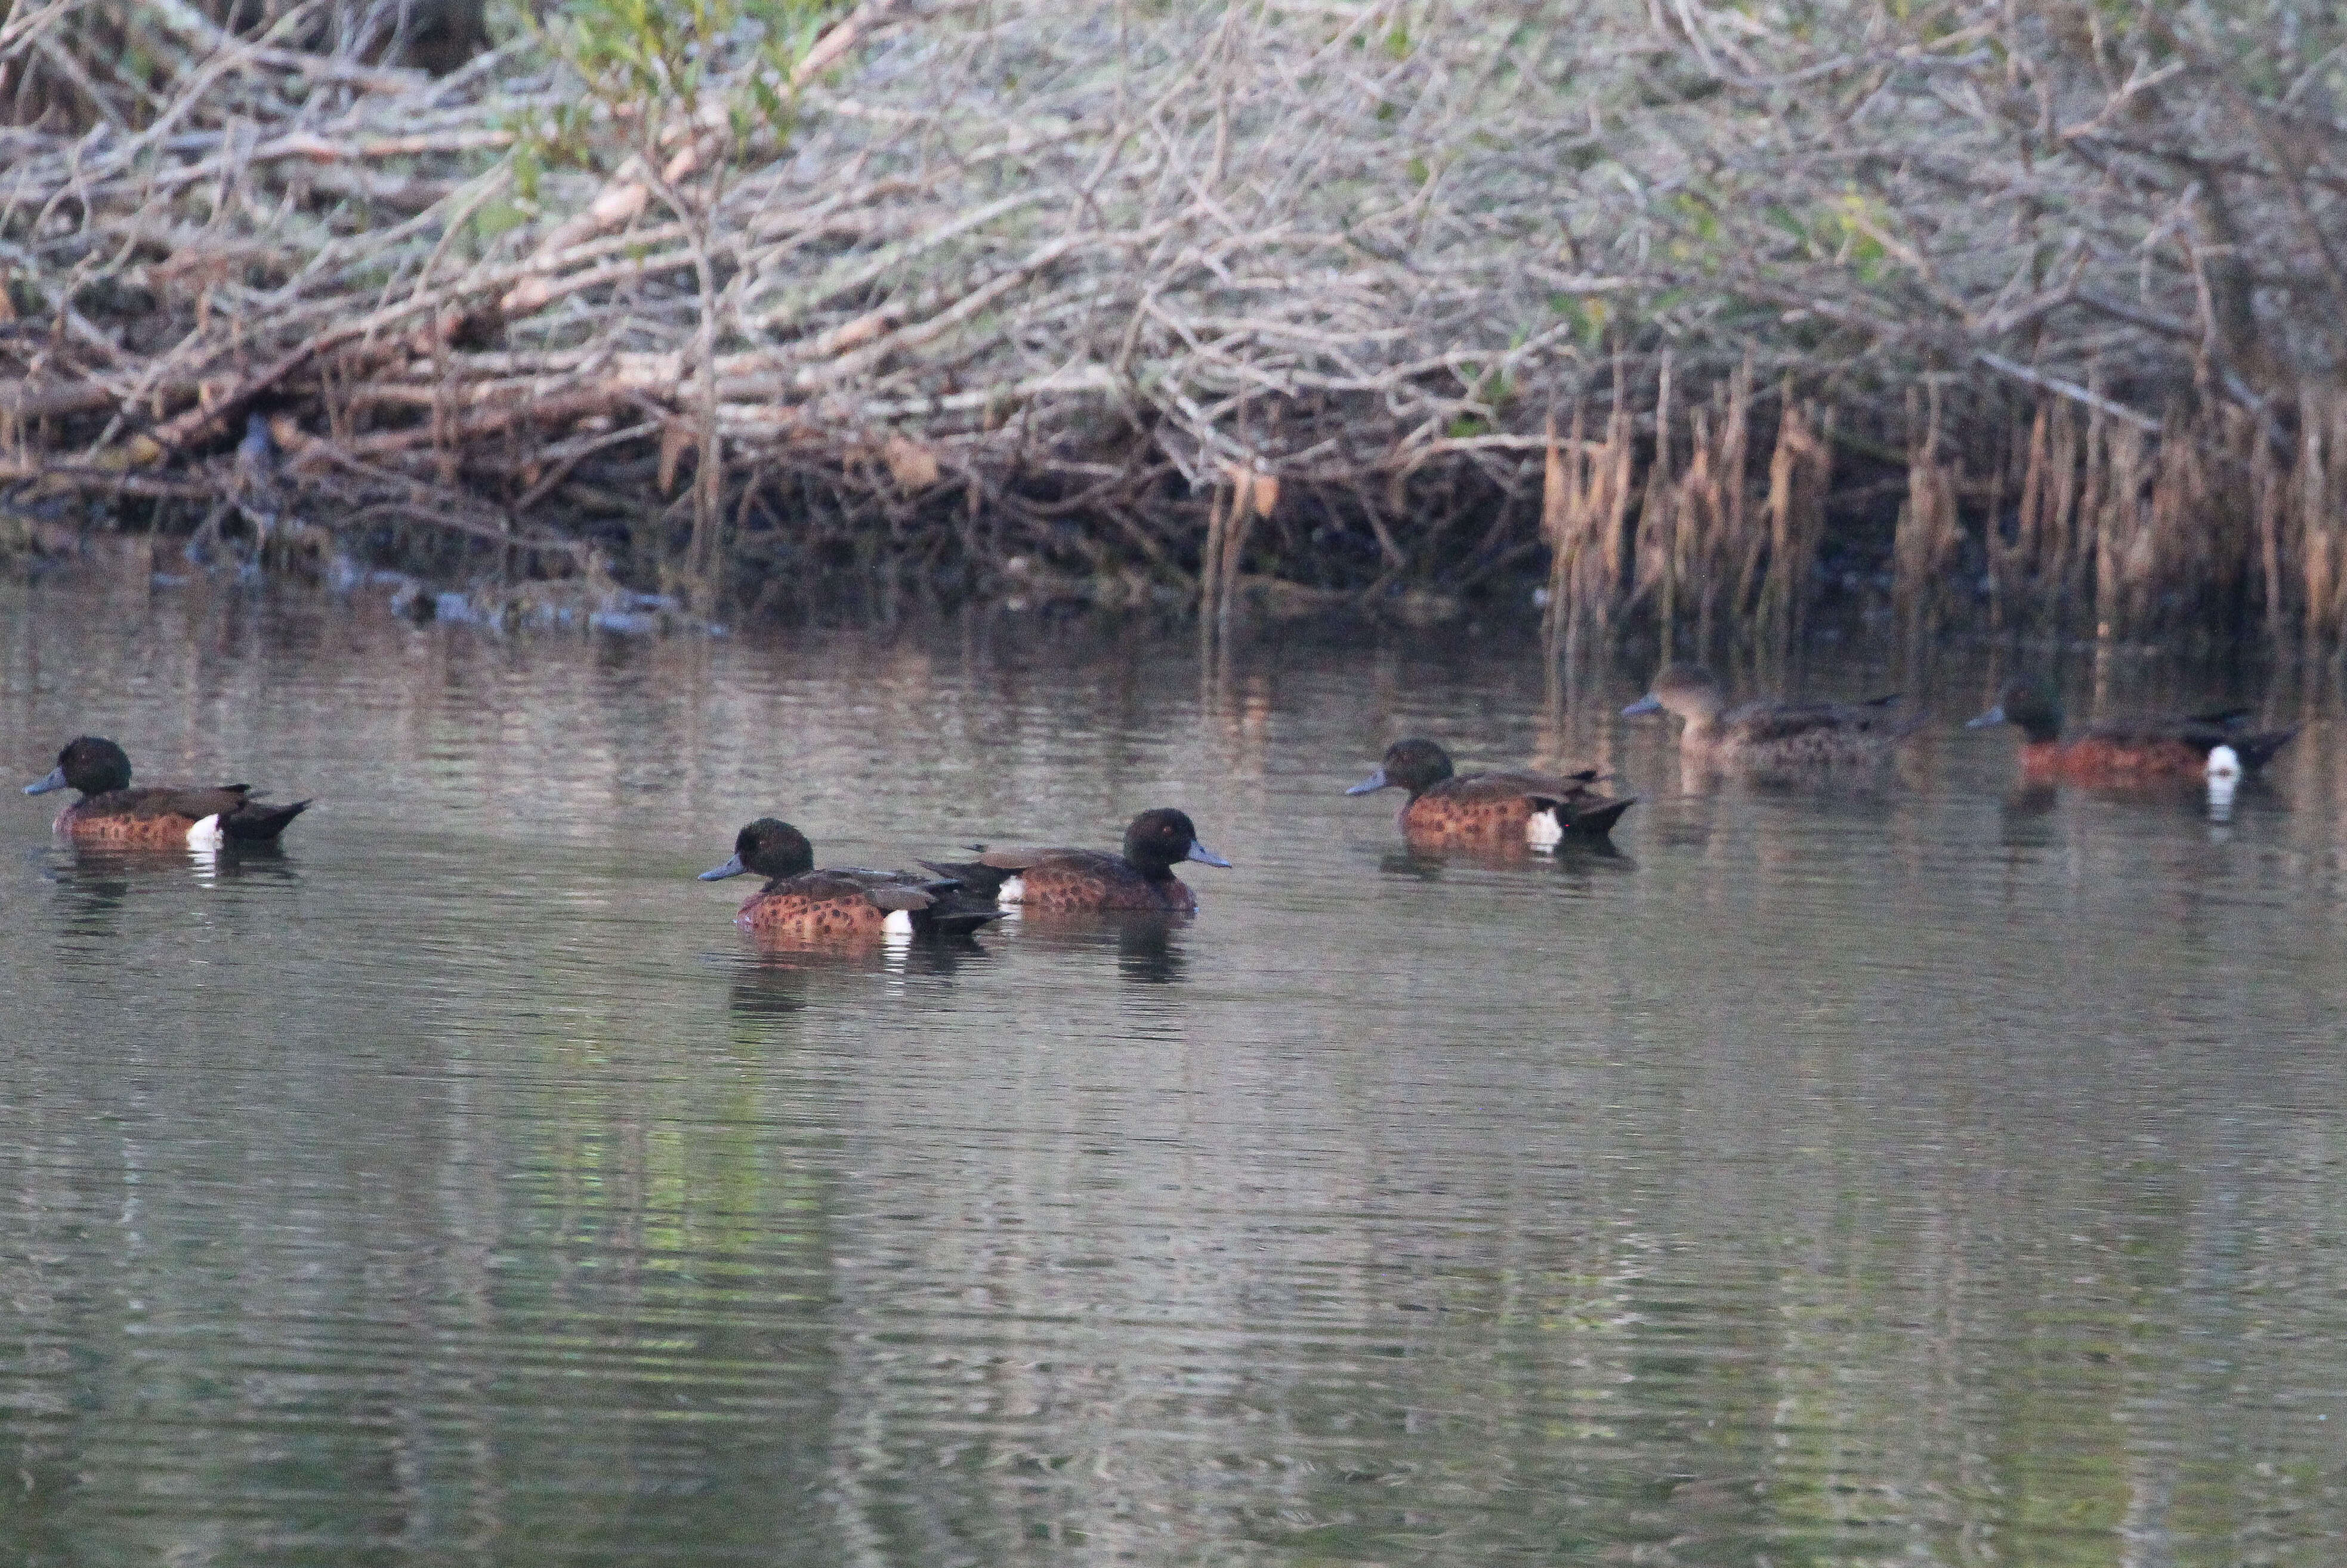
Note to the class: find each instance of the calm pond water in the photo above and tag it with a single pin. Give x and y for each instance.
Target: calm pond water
(1927, 1176)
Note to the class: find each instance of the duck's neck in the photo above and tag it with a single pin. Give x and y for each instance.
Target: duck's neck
(2040, 731)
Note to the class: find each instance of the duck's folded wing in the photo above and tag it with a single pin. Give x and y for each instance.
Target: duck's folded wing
(2206, 732)
(1574, 786)
(187, 801)
(883, 889)
(1771, 722)
(1021, 860)
(1481, 787)
(893, 895)
(2158, 731)
(1017, 859)
(1776, 723)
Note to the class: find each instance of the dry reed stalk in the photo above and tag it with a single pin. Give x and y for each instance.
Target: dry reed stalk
(1708, 512)
(1585, 492)
(1256, 494)
(1557, 533)
(1245, 494)
(1801, 473)
(2050, 561)
(2117, 525)
(2094, 490)
(2009, 564)
(2319, 491)
(1693, 511)
(1749, 537)
(2195, 545)
(1657, 552)
(1929, 534)
(2277, 536)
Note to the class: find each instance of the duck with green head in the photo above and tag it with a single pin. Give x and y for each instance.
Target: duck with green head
(1446, 806)
(153, 815)
(2139, 751)
(1064, 881)
(799, 903)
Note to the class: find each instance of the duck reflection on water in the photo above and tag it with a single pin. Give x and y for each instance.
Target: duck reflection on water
(1572, 859)
(781, 981)
(88, 865)
(1148, 945)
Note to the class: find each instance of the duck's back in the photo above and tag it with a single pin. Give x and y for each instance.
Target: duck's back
(1817, 734)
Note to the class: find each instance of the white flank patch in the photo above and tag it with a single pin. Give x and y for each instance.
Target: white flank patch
(1543, 831)
(2224, 778)
(206, 835)
(1013, 891)
(900, 923)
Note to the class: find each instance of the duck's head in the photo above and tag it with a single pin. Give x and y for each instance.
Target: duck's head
(1158, 839)
(1416, 764)
(89, 764)
(768, 846)
(1689, 690)
(2028, 702)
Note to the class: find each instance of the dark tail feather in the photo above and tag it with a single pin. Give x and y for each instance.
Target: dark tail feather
(959, 922)
(2223, 718)
(1594, 821)
(984, 882)
(2256, 751)
(1884, 700)
(261, 824)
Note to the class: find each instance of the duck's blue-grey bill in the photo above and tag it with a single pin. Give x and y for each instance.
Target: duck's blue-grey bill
(733, 868)
(1200, 852)
(56, 780)
(1994, 717)
(1649, 704)
(1376, 781)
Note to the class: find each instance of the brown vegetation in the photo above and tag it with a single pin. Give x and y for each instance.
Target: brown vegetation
(1152, 299)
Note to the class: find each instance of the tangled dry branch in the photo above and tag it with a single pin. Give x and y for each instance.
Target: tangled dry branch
(1036, 283)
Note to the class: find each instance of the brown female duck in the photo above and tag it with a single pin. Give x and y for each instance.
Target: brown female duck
(1790, 739)
(1446, 806)
(110, 812)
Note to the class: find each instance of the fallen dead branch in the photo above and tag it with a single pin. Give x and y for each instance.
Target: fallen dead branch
(1452, 291)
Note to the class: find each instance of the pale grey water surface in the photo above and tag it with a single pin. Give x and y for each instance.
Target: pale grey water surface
(1928, 1175)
